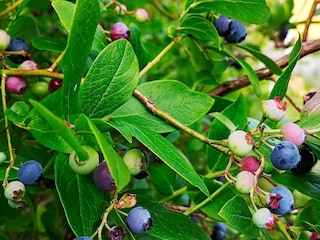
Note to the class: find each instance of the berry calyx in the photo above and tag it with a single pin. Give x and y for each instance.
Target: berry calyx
(244, 182)
(293, 133)
(14, 204)
(54, 84)
(16, 85)
(4, 40)
(102, 177)
(18, 45)
(249, 163)
(139, 220)
(274, 109)
(280, 200)
(240, 142)
(141, 15)
(87, 166)
(15, 191)
(136, 161)
(117, 233)
(30, 173)
(263, 218)
(119, 30)
(285, 155)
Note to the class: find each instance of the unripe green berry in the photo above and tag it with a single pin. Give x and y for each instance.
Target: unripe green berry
(263, 218)
(240, 142)
(15, 191)
(87, 166)
(274, 109)
(244, 182)
(4, 40)
(136, 161)
(3, 157)
(141, 15)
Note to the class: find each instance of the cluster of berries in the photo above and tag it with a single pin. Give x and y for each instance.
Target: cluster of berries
(232, 30)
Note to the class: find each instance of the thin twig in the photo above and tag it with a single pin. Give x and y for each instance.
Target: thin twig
(308, 22)
(162, 10)
(10, 8)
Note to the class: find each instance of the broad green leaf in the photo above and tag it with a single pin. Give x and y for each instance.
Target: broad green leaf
(237, 112)
(200, 28)
(281, 85)
(308, 184)
(138, 47)
(308, 217)
(250, 11)
(64, 10)
(61, 128)
(237, 214)
(82, 201)
(110, 81)
(270, 64)
(83, 27)
(49, 44)
(163, 149)
(18, 112)
(24, 27)
(185, 105)
(116, 165)
(225, 120)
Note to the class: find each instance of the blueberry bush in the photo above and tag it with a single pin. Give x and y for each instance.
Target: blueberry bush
(148, 119)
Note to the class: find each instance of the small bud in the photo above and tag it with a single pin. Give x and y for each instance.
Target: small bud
(142, 15)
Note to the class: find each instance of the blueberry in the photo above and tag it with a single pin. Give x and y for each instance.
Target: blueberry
(17, 45)
(117, 233)
(237, 36)
(308, 160)
(30, 173)
(223, 25)
(285, 155)
(119, 30)
(280, 200)
(102, 177)
(16, 85)
(83, 238)
(219, 231)
(139, 220)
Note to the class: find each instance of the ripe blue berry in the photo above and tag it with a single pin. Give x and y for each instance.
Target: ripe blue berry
(30, 173)
(119, 30)
(117, 233)
(263, 218)
(308, 160)
(285, 155)
(83, 238)
(17, 45)
(102, 177)
(293, 133)
(139, 220)
(238, 35)
(4, 40)
(219, 231)
(15, 191)
(240, 142)
(16, 85)
(223, 25)
(280, 200)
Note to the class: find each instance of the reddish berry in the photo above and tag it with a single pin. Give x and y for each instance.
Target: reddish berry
(28, 65)
(249, 163)
(54, 84)
(117, 233)
(102, 177)
(16, 85)
(119, 30)
(141, 15)
(293, 133)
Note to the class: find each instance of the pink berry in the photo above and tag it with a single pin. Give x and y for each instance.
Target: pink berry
(119, 30)
(274, 109)
(4, 40)
(28, 65)
(249, 163)
(293, 133)
(54, 84)
(240, 142)
(244, 182)
(16, 85)
(263, 218)
(141, 15)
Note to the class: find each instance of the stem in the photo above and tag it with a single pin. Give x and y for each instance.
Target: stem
(162, 10)
(159, 56)
(10, 8)
(174, 194)
(207, 200)
(37, 72)
(56, 62)
(283, 230)
(6, 126)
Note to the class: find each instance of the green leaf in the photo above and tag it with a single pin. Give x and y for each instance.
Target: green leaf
(49, 44)
(237, 112)
(225, 120)
(64, 10)
(237, 214)
(18, 112)
(61, 128)
(185, 105)
(308, 184)
(250, 11)
(82, 201)
(84, 23)
(200, 28)
(110, 81)
(163, 149)
(117, 167)
(270, 64)
(138, 47)
(281, 85)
